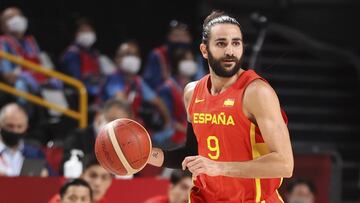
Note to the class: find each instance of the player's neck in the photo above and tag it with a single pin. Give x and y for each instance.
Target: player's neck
(220, 84)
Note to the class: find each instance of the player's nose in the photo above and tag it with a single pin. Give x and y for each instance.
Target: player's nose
(229, 51)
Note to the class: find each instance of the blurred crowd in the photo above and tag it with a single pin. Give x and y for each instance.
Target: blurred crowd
(126, 86)
(40, 142)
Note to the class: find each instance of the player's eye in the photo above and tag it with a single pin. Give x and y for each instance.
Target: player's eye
(220, 44)
(236, 44)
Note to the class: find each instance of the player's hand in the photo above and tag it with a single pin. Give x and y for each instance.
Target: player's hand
(200, 164)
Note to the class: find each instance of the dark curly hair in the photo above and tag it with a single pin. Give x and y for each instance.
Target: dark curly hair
(216, 17)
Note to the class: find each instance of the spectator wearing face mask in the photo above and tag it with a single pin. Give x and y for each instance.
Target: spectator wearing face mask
(81, 59)
(84, 139)
(171, 92)
(127, 85)
(160, 64)
(300, 191)
(13, 150)
(15, 41)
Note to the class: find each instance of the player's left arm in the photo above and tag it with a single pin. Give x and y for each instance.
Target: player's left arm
(261, 104)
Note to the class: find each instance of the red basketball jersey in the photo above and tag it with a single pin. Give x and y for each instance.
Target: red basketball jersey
(224, 133)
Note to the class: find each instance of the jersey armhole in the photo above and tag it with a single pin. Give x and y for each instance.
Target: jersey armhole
(192, 99)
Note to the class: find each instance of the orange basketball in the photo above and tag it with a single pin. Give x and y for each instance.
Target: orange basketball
(123, 147)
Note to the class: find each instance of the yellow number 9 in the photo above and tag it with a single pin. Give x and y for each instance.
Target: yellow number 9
(213, 146)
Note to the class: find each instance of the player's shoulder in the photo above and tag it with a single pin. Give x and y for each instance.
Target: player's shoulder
(259, 87)
(190, 86)
(258, 92)
(189, 90)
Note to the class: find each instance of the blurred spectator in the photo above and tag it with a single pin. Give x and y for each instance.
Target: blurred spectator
(98, 178)
(76, 191)
(180, 185)
(159, 64)
(300, 191)
(171, 92)
(14, 41)
(125, 84)
(81, 59)
(84, 139)
(13, 150)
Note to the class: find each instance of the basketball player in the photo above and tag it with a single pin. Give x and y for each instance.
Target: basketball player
(238, 145)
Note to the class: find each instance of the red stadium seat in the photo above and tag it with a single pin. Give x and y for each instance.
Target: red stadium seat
(150, 171)
(316, 168)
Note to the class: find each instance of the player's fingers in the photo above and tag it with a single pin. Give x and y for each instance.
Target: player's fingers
(195, 167)
(193, 162)
(197, 172)
(187, 160)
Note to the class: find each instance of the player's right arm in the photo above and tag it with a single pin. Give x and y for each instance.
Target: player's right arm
(173, 158)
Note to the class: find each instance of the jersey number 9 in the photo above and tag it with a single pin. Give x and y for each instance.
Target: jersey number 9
(213, 146)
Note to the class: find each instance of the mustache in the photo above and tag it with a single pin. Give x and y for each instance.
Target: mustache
(229, 58)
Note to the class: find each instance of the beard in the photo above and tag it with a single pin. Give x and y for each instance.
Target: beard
(222, 70)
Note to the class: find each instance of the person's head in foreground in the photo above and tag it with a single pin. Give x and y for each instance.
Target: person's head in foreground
(98, 178)
(301, 191)
(76, 191)
(181, 184)
(222, 44)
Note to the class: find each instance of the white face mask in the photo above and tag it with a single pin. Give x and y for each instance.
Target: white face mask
(17, 24)
(130, 64)
(86, 39)
(187, 68)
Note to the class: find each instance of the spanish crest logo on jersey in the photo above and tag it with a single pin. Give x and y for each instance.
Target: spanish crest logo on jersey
(229, 102)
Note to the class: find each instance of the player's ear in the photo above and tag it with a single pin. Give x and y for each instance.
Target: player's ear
(203, 50)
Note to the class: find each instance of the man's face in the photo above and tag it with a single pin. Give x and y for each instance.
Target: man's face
(9, 14)
(126, 49)
(301, 194)
(85, 28)
(77, 194)
(99, 180)
(15, 122)
(224, 50)
(179, 193)
(115, 113)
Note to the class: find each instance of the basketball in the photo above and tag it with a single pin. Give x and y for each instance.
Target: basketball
(123, 147)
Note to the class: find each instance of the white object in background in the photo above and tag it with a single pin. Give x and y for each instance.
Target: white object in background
(73, 167)
(54, 96)
(126, 177)
(46, 61)
(107, 67)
